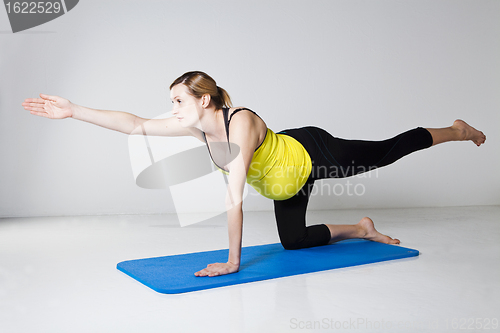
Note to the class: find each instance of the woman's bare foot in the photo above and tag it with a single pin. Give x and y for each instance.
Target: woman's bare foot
(369, 232)
(468, 132)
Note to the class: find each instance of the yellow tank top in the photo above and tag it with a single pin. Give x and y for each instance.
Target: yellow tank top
(279, 167)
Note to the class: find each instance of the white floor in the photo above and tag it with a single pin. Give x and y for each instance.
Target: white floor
(58, 274)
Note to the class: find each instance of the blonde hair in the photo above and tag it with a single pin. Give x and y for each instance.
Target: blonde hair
(199, 84)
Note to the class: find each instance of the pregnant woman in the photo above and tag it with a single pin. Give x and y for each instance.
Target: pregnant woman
(281, 166)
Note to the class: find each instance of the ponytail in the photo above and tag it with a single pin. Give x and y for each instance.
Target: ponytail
(224, 97)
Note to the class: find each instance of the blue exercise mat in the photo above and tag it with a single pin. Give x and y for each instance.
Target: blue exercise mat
(175, 274)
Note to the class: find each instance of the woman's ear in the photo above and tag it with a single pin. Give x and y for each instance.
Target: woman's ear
(205, 100)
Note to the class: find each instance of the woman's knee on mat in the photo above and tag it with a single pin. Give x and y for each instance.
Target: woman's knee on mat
(315, 235)
(292, 243)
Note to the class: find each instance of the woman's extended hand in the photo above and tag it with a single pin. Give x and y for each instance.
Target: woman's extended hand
(53, 107)
(218, 269)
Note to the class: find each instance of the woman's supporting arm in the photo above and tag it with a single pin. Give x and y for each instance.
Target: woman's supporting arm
(243, 135)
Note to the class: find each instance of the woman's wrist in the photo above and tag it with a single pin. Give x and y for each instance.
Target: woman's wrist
(234, 258)
(232, 262)
(235, 267)
(76, 111)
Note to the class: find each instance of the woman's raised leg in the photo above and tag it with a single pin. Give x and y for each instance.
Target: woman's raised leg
(337, 158)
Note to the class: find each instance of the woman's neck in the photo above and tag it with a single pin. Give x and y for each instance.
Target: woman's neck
(212, 123)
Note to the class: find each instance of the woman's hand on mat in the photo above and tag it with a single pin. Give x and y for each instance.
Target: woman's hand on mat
(53, 107)
(218, 269)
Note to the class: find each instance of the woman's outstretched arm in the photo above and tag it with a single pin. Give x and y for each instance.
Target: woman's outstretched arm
(55, 107)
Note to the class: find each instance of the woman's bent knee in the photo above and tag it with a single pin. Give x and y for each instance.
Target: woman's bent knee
(290, 244)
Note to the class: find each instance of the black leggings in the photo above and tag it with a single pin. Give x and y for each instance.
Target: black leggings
(336, 158)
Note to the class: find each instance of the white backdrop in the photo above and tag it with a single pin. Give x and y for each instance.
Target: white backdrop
(359, 69)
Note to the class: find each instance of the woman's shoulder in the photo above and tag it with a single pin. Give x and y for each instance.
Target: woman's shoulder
(249, 122)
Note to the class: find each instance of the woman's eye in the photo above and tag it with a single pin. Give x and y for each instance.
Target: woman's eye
(178, 101)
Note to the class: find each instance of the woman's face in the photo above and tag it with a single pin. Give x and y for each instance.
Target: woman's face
(186, 108)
